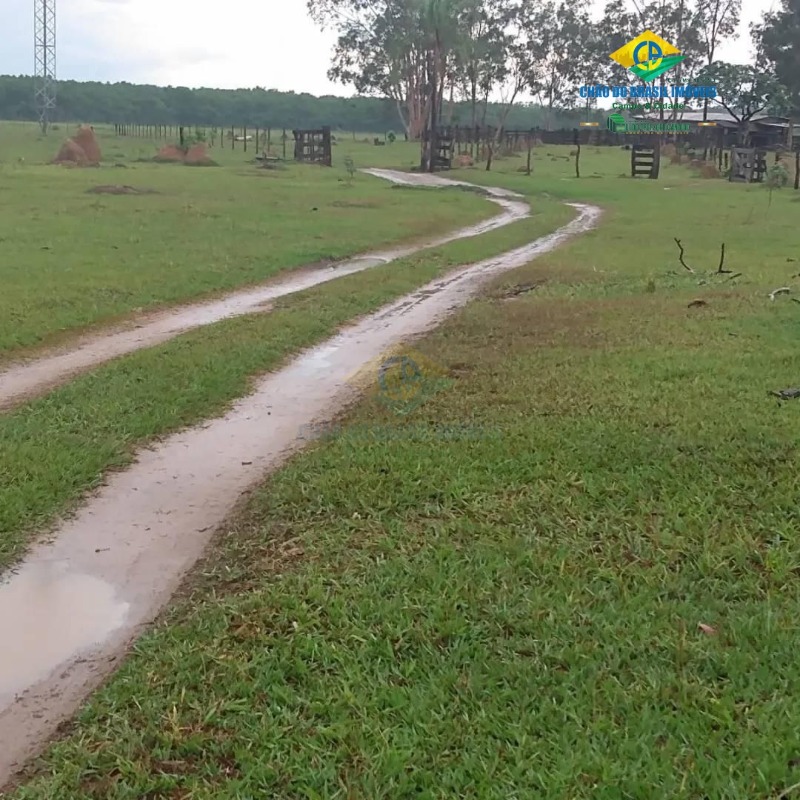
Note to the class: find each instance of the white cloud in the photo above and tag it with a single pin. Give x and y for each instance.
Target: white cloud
(214, 43)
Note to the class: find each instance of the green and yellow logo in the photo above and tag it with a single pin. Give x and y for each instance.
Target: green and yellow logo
(616, 123)
(648, 56)
(402, 379)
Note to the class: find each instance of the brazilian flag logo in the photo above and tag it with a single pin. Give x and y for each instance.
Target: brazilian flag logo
(648, 56)
(616, 123)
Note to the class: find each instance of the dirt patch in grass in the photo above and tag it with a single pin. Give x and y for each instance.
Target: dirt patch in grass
(544, 274)
(117, 189)
(709, 171)
(353, 204)
(531, 321)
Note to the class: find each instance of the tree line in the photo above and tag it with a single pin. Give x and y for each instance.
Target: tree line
(426, 55)
(157, 105)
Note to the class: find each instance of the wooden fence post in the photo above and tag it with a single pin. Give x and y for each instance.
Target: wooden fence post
(797, 168)
(530, 147)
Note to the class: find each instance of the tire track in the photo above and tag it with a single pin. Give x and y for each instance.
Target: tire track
(28, 379)
(76, 602)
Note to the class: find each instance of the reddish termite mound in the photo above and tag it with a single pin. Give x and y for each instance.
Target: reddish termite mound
(195, 155)
(169, 152)
(71, 153)
(82, 150)
(87, 141)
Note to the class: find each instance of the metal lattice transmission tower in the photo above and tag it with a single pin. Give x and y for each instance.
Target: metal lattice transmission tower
(44, 44)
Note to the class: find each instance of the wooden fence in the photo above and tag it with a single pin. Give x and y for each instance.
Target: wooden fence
(256, 139)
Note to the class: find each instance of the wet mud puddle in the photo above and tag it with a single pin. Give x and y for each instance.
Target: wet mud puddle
(25, 380)
(75, 603)
(64, 613)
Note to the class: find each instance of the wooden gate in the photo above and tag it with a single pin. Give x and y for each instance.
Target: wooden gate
(760, 170)
(443, 157)
(743, 161)
(748, 165)
(644, 161)
(313, 146)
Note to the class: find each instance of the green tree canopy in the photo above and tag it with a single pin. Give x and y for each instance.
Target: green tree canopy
(778, 41)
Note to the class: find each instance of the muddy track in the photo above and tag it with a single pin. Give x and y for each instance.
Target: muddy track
(74, 605)
(28, 379)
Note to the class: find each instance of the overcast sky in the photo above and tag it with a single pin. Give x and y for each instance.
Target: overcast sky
(269, 43)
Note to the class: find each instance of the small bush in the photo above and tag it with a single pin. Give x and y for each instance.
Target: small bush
(777, 176)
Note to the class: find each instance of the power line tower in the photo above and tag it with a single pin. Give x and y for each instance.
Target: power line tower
(44, 48)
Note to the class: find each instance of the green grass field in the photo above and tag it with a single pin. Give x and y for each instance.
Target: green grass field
(73, 259)
(508, 611)
(55, 449)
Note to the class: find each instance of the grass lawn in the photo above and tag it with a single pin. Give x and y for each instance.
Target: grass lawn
(498, 595)
(56, 448)
(73, 259)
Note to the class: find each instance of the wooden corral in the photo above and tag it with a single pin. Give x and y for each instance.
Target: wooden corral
(313, 146)
(748, 165)
(645, 161)
(476, 141)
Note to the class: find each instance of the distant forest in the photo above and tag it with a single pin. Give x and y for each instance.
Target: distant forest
(167, 105)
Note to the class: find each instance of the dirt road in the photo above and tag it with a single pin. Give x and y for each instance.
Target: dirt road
(22, 381)
(72, 607)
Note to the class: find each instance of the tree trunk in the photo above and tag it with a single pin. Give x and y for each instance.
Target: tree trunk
(744, 133)
(405, 119)
(474, 101)
(425, 143)
(705, 105)
(432, 115)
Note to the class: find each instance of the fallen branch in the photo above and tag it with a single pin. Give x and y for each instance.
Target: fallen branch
(786, 792)
(720, 267)
(519, 289)
(786, 394)
(720, 270)
(783, 290)
(735, 275)
(680, 256)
